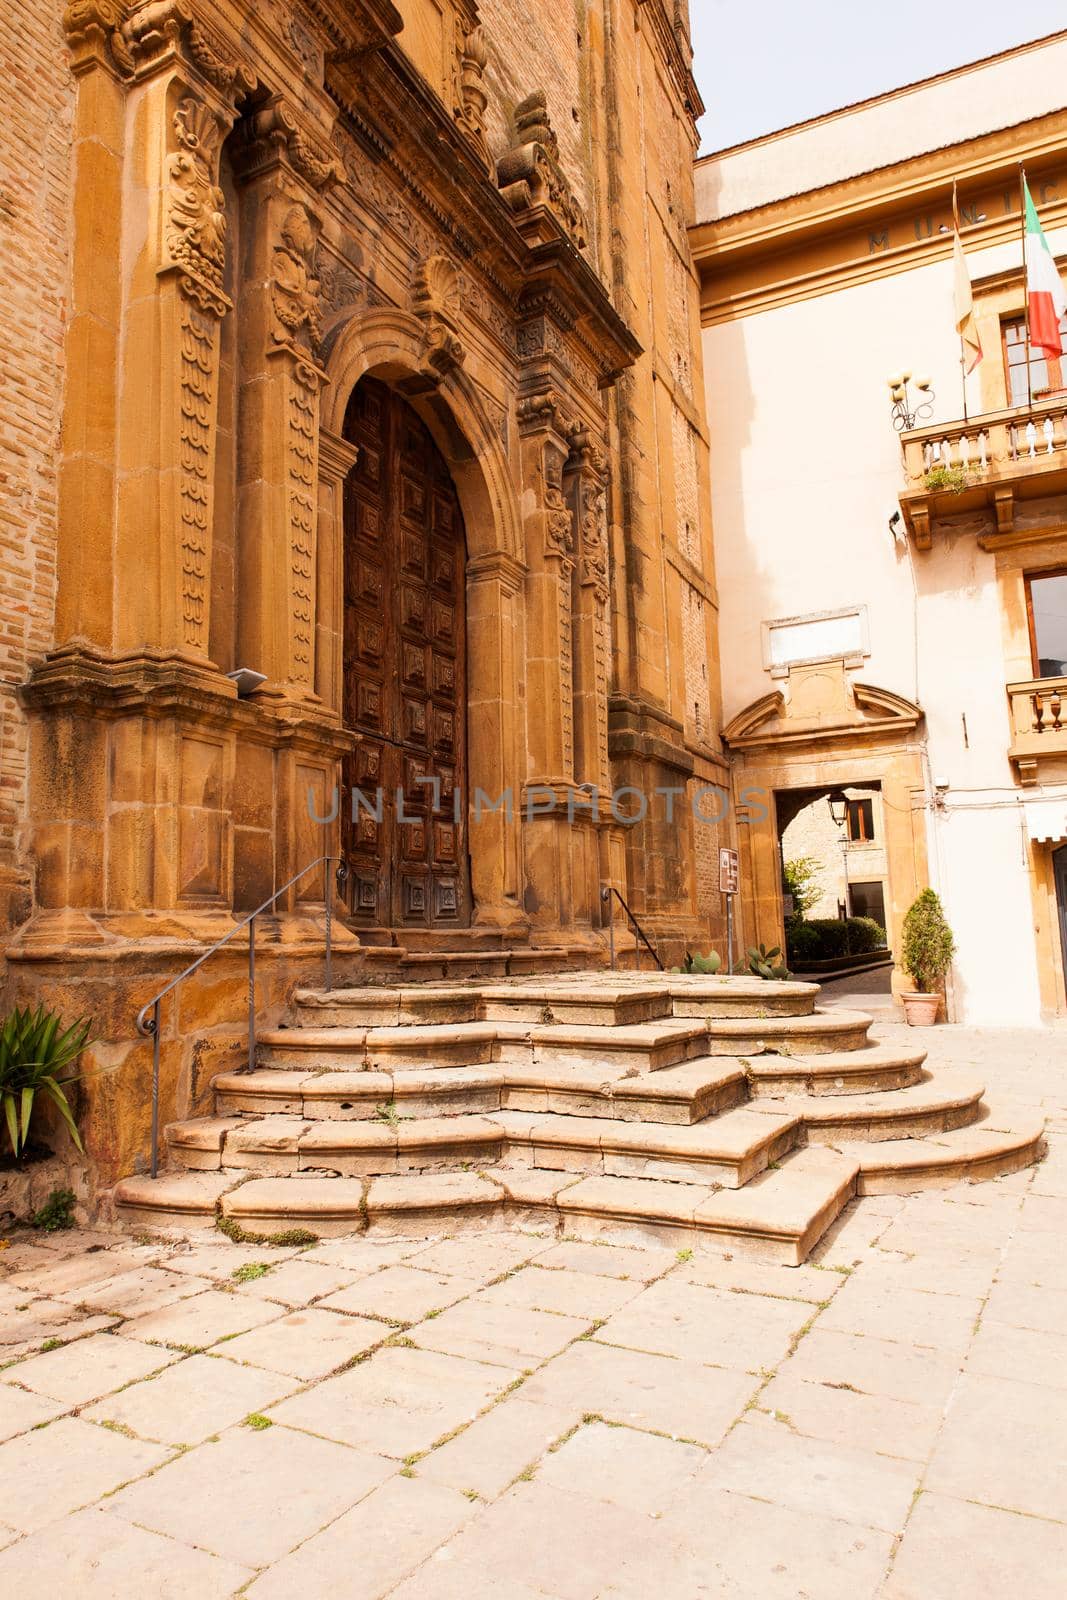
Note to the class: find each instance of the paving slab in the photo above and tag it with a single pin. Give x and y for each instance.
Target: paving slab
(200, 1321)
(952, 1548)
(673, 1396)
(623, 1466)
(607, 1260)
(21, 1410)
(571, 1293)
(401, 1294)
(572, 1545)
(89, 1368)
(489, 1455)
(305, 1344)
(1000, 1350)
(875, 1366)
(370, 1548)
(479, 1258)
(284, 1486)
(675, 1318)
(1004, 1443)
(844, 1416)
(98, 1556)
(65, 1465)
(399, 1402)
(766, 1459)
(191, 1401)
(908, 1316)
(509, 1335)
(729, 1546)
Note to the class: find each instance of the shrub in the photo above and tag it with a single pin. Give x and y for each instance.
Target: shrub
(36, 1057)
(826, 938)
(800, 878)
(952, 478)
(928, 943)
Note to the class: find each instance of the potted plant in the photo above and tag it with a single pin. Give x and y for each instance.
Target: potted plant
(928, 948)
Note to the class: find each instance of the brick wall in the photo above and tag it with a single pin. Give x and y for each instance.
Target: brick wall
(35, 137)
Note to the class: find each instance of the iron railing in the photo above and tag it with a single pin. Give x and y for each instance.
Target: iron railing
(640, 937)
(148, 1016)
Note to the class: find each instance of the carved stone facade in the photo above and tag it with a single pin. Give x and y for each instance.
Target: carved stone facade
(271, 204)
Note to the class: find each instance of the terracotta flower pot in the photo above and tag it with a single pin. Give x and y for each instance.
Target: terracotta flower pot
(920, 1010)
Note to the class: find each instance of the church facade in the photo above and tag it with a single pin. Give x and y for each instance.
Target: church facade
(358, 508)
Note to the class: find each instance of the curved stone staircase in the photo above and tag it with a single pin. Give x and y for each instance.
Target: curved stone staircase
(671, 1107)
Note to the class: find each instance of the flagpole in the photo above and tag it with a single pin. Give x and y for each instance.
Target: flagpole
(963, 348)
(1026, 288)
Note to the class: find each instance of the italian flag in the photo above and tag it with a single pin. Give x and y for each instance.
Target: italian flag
(1044, 286)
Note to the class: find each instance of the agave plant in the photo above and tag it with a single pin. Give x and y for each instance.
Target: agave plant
(35, 1055)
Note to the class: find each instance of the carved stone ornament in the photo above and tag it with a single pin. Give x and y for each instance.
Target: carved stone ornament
(471, 98)
(315, 162)
(94, 34)
(530, 174)
(437, 303)
(195, 209)
(559, 519)
(173, 26)
(295, 281)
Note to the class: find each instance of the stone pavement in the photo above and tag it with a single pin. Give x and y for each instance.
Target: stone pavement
(507, 1415)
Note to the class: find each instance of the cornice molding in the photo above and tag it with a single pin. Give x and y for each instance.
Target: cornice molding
(812, 243)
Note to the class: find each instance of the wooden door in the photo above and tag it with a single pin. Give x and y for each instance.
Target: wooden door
(404, 679)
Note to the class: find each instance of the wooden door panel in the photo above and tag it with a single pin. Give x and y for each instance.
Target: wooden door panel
(404, 669)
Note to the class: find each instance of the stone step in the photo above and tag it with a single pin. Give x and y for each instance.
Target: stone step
(876, 1067)
(942, 1102)
(1004, 1140)
(821, 1032)
(780, 1215)
(644, 1046)
(729, 1150)
(600, 1000)
(677, 1095)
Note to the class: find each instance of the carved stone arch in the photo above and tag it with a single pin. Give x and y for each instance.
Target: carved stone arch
(389, 343)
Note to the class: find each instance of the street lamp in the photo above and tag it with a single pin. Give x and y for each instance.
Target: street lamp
(838, 803)
(910, 409)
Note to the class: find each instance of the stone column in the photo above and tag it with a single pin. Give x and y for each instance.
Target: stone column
(282, 170)
(336, 459)
(550, 557)
(494, 738)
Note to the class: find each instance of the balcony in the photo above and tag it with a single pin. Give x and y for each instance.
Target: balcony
(983, 468)
(1038, 724)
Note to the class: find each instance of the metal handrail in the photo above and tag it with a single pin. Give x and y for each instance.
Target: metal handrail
(640, 937)
(148, 1016)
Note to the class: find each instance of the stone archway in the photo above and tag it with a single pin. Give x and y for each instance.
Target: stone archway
(393, 346)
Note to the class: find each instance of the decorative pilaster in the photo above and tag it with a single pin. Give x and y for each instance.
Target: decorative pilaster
(183, 88)
(283, 169)
(587, 484)
(550, 553)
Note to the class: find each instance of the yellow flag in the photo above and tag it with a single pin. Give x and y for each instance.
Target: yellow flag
(966, 325)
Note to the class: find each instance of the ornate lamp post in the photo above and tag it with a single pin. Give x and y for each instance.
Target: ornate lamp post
(838, 803)
(909, 409)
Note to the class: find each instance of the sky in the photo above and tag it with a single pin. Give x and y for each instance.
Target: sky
(762, 67)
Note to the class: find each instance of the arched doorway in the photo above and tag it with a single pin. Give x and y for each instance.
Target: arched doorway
(404, 672)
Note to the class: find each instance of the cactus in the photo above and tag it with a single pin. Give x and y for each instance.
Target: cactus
(706, 966)
(764, 963)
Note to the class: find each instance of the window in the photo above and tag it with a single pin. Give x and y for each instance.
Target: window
(1045, 372)
(861, 821)
(1046, 603)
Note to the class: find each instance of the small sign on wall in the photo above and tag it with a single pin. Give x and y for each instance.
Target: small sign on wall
(729, 872)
